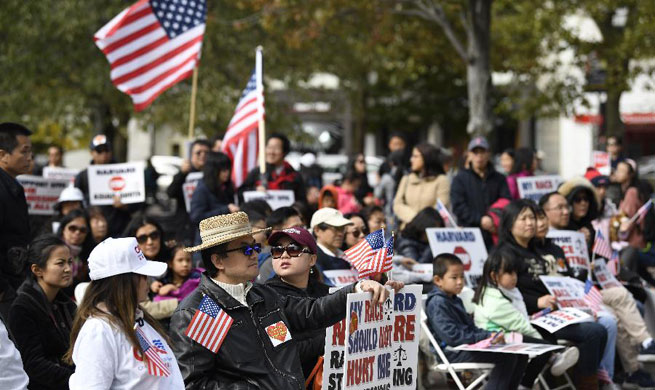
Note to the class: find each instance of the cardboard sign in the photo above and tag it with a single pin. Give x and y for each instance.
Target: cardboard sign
(406, 329)
(341, 277)
(574, 246)
(559, 319)
(274, 198)
(369, 343)
(125, 180)
(529, 349)
(602, 162)
(41, 194)
(534, 187)
(60, 173)
(466, 243)
(568, 291)
(603, 275)
(189, 187)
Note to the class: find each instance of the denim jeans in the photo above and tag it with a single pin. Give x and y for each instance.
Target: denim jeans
(609, 323)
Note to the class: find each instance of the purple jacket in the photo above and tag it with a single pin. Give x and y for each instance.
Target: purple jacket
(512, 184)
(185, 289)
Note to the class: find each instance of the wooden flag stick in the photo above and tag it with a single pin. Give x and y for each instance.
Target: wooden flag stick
(192, 108)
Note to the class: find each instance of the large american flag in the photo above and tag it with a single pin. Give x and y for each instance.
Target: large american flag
(156, 366)
(601, 246)
(592, 296)
(371, 255)
(152, 45)
(241, 142)
(209, 325)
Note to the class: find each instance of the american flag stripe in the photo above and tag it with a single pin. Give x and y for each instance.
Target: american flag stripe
(592, 296)
(371, 255)
(241, 141)
(153, 361)
(152, 45)
(209, 325)
(601, 246)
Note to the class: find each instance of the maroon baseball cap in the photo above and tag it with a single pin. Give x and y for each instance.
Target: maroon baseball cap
(297, 234)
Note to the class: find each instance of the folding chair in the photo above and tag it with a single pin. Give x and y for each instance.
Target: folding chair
(453, 368)
(541, 379)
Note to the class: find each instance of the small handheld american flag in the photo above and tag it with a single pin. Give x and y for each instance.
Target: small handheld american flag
(592, 296)
(614, 263)
(445, 214)
(371, 255)
(156, 366)
(601, 246)
(209, 325)
(643, 210)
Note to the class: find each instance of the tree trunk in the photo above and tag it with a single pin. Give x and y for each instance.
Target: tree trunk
(613, 122)
(478, 70)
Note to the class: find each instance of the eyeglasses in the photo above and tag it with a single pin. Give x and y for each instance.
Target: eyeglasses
(246, 249)
(74, 228)
(581, 199)
(292, 249)
(356, 233)
(143, 238)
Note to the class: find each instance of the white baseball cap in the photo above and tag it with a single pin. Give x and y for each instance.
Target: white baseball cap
(329, 216)
(115, 256)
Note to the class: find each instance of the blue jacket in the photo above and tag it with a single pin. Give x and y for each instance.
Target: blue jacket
(449, 322)
(205, 204)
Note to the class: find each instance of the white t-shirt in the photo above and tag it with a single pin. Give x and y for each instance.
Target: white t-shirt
(12, 375)
(105, 359)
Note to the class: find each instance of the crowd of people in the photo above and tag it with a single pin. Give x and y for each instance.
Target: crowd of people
(110, 296)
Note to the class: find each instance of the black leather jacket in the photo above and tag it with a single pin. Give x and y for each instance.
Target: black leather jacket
(247, 358)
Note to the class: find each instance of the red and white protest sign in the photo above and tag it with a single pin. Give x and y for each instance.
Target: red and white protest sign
(41, 194)
(126, 181)
(601, 161)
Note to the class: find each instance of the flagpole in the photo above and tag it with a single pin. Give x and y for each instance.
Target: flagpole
(593, 255)
(260, 106)
(192, 108)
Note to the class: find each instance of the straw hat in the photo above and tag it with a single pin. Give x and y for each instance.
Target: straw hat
(224, 228)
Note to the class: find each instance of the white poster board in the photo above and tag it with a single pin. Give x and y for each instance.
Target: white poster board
(568, 291)
(41, 194)
(559, 319)
(406, 332)
(574, 246)
(125, 180)
(602, 162)
(189, 187)
(341, 277)
(534, 187)
(369, 343)
(60, 173)
(519, 348)
(274, 198)
(603, 275)
(466, 243)
(333, 358)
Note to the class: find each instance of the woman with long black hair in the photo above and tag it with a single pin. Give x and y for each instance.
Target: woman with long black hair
(75, 231)
(41, 317)
(516, 241)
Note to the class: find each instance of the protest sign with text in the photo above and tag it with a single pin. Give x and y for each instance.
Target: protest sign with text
(568, 291)
(559, 319)
(519, 348)
(603, 275)
(274, 198)
(189, 187)
(465, 243)
(406, 317)
(41, 194)
(341, 277)
(60, 173)
(369, 343)
(124, 180)
(574, 246)
(601, 161)
(534, 187)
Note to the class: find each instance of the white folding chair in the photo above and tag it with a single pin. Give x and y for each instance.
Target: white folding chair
(453, 368)
(541, 379)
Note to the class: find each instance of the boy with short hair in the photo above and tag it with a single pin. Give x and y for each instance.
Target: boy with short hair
(451, 326)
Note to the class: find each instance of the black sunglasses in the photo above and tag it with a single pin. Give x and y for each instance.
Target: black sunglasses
(356, 233)
(247, 249)
(74, 228)
(292, 249)
(579, 199)
(143, 238)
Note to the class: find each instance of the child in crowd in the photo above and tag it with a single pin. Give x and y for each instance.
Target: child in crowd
(180, 279)
(452, 326)
(499, 306)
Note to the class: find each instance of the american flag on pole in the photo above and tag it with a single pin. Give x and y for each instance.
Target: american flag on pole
(601, 246)
(614, 263)
(371, 255)
(241, 142)
(209, 325)
(152, 45)
(592, 296)
(156, 366)
(643, 210)
(445, 214)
